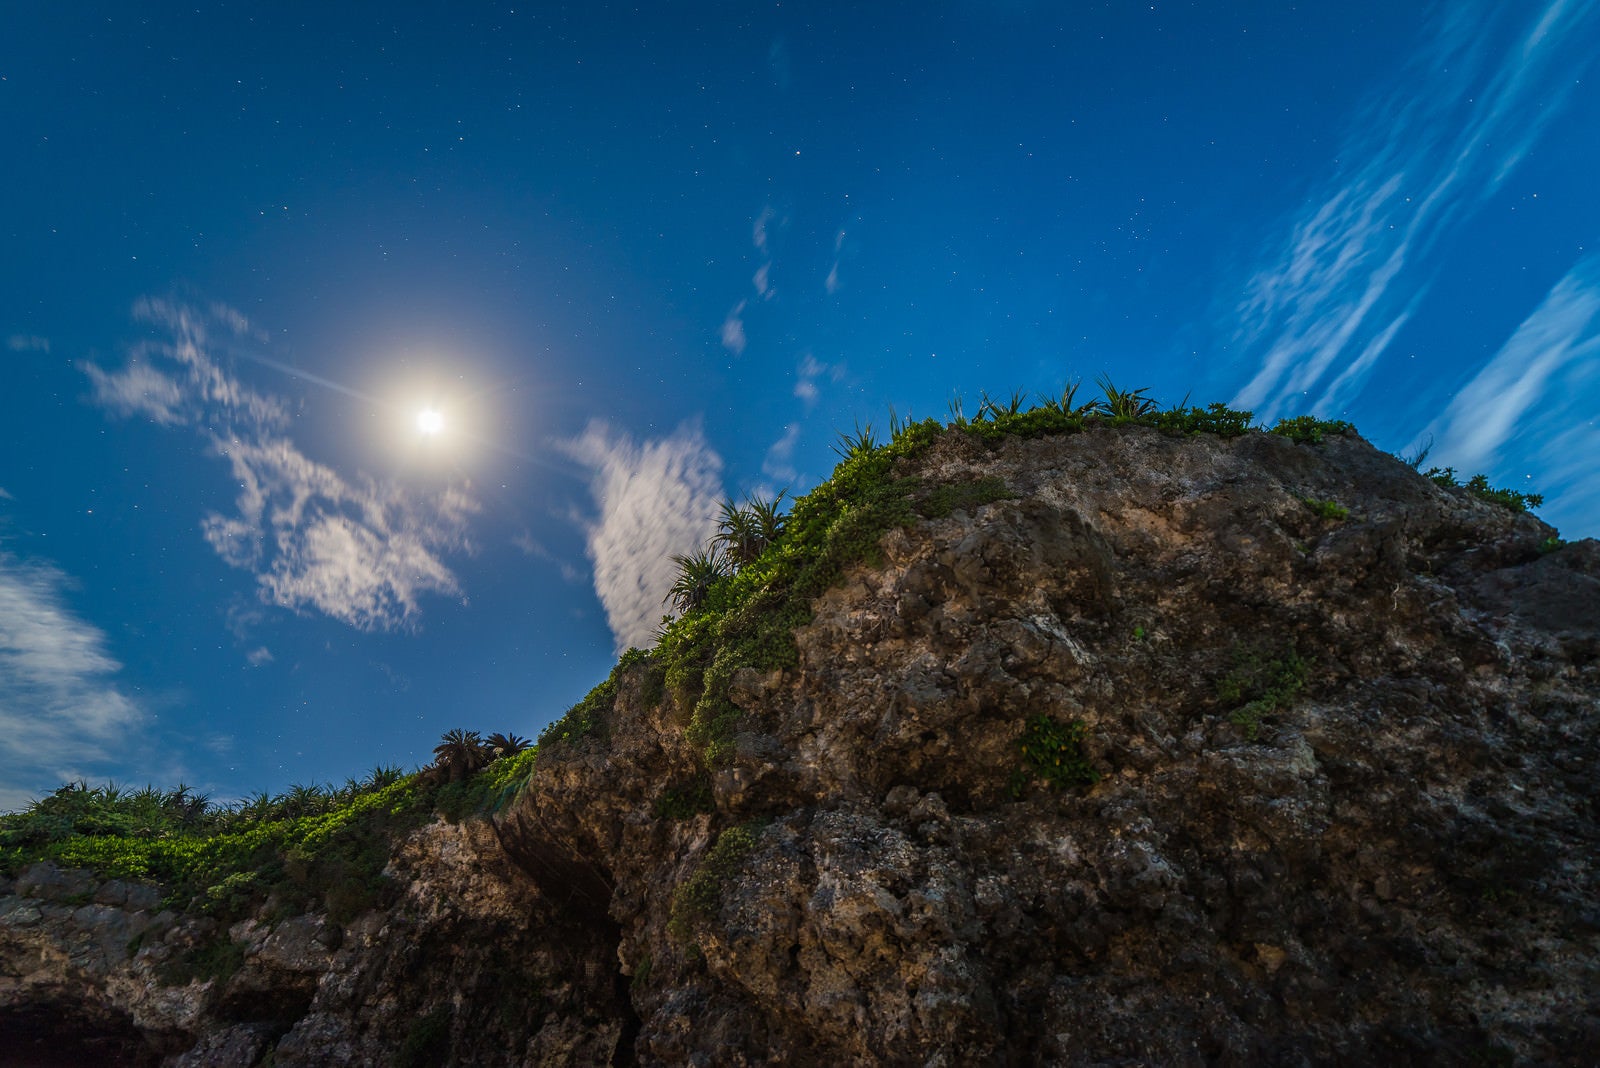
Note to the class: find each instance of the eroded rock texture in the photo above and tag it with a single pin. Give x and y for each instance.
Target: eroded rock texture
(1388, 859)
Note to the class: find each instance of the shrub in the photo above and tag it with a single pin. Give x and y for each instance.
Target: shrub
(1309, 430)
(1329, 509)
(701, 896)
(1260, 685)
(1478, 486)
(1053, 751)
(686, 799)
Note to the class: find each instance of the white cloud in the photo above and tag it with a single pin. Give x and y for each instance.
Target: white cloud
(733, 338)
(1319, 316)
(258, 656)
(810, 370)
(4, 496)
(1546, 376)
(656, 499)
(831, 283)
(779, 461)
(60, 708)
(356, 550)
(27, 343)
(758, 230)
(763, 282)
(137, 389)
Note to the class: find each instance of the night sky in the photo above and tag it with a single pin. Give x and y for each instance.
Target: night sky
(638, 259)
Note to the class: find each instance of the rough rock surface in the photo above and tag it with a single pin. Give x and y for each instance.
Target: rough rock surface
(1393, 863)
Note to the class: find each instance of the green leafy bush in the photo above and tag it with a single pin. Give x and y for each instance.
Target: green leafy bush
(1053, 751)
(701, 895)
(1260, 685)
(1478, 486)
(968, 496)
(686, 799)
(1329, 509)
(1309, 430)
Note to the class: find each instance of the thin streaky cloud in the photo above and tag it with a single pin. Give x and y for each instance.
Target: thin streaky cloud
(27, 343)
(733, 336)
(758, 229)
(1547, 367)
(778, 463)
(1325, 308)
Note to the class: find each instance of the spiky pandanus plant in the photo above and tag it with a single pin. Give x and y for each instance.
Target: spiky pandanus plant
(460, 755)
(744, 533)
(505, 745)
(697, 573)
(739, 534)
(1124, 403)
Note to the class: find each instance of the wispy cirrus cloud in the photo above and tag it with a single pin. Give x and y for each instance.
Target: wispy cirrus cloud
(1547, 375)
(1323, 310)
(27, 343)
(655, 499)
(733, 336)
(808, 372)
(779, 460)
(61, 710)
(358, 550)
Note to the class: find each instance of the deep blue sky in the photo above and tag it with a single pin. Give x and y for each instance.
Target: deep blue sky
(642, 258)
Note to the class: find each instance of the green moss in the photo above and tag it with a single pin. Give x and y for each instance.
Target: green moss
(1053, 752)
(427, 1040)
(701, 896)
(686, 799)
(216, 959)
(641, 973)
(1260, 685)
(1329, 509)
(966, 496)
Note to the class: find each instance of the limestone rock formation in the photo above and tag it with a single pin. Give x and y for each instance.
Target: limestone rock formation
(1161, 750)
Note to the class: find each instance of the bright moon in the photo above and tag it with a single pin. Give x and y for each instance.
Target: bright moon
(430, 422)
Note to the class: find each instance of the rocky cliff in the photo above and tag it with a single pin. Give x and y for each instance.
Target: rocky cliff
(1119, 746)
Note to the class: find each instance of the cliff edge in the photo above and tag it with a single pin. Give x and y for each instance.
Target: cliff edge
(1115, 746)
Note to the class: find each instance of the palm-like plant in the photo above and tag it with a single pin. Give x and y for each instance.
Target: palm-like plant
(697, 573)
(1125, 403)
(1066, 404)
(769, 521)
(504, 745)
(739, 534)
(460, 755)
(861, 443)
(744, 533)
(994, 409)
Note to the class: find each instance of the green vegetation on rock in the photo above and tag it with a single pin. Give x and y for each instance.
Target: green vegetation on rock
(1261, 684)
(701, 895)
(1053, 752)
(1478, 486)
